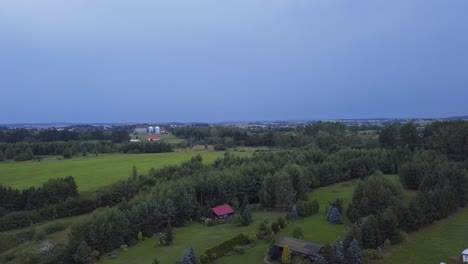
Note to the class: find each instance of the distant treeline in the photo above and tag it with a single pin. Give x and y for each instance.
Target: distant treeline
(25, 135)
(28, 151)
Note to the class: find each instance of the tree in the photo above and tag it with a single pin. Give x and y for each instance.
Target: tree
(355, 253)
(140, 236)
(297, 233)
(2, 156)
(370, 232)
(263, 231)
(281, 223)
(82, 254)
(188, 257)
(67, 154)
(389, 226)
(134, 172)
(321, 260)
(120, 136)
(409, 136)
(275, 227)
(168, 235)
(246, 216)
(286, 256)
(338, 252)
(334, 216)
(328, 253)
(389, 137)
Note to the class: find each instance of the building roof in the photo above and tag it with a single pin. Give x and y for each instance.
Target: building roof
(222, 210)
(154, 137)
(300, 246)
(465, 252)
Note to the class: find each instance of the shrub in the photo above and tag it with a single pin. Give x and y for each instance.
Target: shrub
(371, 254)
(275, 228)
(281, 223)
(253, 238)
(297, 233)
(239, 249)
(226, 246)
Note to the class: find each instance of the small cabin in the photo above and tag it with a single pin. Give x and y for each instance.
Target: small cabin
(465, 256)
(222, 211)
(302, 248)
(154, 138)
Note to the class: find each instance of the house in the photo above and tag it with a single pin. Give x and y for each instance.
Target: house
(222, 211)
(299, 247)
(465, 256)
(154, 138)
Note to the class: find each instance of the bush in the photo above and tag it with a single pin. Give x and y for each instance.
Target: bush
(219, 147)
(297, 233)
(281, 223)
(253, 238)
(239, 249)
(371, 254)
(226, 246)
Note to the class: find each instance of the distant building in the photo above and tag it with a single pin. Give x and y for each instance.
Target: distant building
(164, 131)
(140, 130)
(465, 256)
(154, 138)
(301, 248)
(222, 211)
(157, 130)
(151, 130)
(134, 140)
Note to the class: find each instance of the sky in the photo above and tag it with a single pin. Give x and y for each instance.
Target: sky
(211, 60)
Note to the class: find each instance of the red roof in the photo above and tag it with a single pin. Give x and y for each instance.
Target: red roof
(222, 210)
(154, 137)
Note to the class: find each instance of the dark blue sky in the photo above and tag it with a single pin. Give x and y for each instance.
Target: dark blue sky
(212, 60)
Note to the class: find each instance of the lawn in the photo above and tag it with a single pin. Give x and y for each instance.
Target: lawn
(315, 229)
(442, 241)
(92, 172)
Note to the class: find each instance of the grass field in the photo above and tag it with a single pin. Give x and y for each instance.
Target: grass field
(169, 138)
(442, 241)
(200, 237)
(93, 172)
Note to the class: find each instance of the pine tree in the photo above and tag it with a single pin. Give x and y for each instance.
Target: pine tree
(168, 235)
(355, 253)
(134, 172)
(246, 216)
(334, 216)
(321, 260)
(188, 257)
(338, 253)
(83, 253)
(286, 256)
(327, 253)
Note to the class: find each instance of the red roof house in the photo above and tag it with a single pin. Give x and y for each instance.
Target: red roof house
(222, 211)
(154, 138)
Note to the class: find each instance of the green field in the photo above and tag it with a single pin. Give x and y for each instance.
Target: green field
(442, 241)
(169, 138)
(200, 237)
(93, 172)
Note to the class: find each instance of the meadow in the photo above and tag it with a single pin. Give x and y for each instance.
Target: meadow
(442, 241)
(93, 172)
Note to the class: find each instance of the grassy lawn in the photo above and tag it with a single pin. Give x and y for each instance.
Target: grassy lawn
(315, 229)
(442, 241)
(93, 172)
(169, 138)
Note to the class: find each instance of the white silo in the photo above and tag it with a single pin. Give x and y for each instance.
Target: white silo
(157, 130)
(151, 130)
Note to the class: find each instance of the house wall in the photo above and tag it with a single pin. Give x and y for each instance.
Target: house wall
(465, 258)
